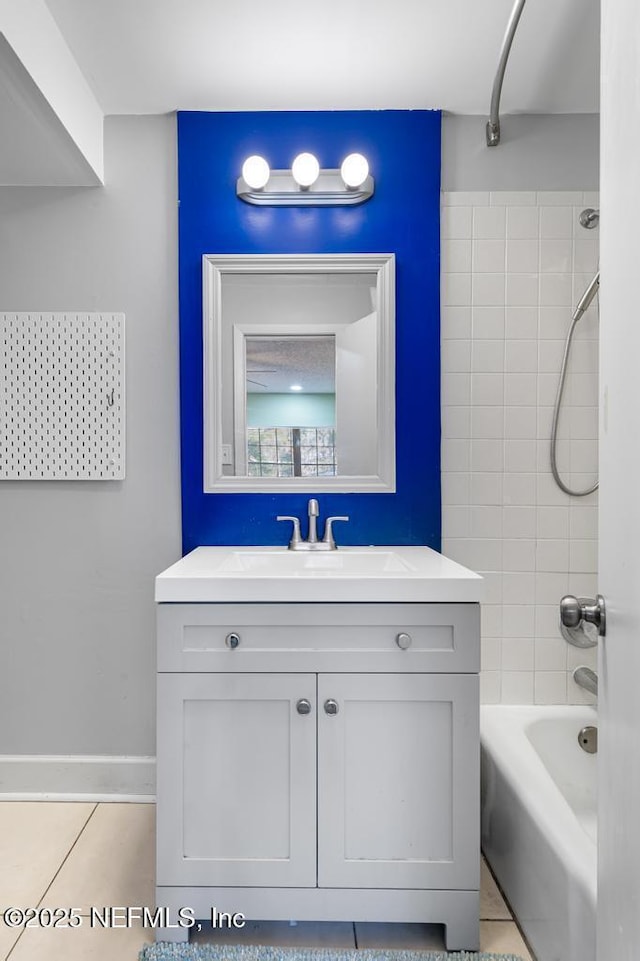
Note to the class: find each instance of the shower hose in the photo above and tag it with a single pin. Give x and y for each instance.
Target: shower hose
(556, 415)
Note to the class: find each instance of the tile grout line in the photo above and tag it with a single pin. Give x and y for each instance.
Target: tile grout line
(48, 887)
(70, 851)
(500, 891)
(516, 924)
(514, 919)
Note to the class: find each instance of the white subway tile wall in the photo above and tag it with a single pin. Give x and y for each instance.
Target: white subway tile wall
(514, 265)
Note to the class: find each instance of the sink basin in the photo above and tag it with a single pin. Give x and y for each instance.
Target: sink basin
(347, 575)
(317, 563)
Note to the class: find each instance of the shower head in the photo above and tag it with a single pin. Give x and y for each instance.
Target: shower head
(587, 297)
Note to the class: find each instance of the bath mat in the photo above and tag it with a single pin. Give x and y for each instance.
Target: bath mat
(164, 951)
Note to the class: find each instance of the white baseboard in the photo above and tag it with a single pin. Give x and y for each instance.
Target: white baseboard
(29, 777)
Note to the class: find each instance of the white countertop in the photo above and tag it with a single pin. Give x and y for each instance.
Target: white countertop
(349, 574)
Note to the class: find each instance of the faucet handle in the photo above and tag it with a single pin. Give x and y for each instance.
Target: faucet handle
(295, 537)
(328, 531)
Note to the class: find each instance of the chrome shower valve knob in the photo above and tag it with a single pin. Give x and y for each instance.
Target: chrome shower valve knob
(575, 610)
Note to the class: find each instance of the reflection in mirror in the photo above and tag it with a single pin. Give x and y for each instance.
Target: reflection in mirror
(291, 392)
(299, 372)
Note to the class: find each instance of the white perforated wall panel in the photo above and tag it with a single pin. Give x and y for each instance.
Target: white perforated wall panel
(62, 414)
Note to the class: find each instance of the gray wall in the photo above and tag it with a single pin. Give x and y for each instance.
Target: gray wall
(78, 558)
(537, 152)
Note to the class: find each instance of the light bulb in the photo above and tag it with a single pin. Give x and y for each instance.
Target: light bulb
(305, 169)
(354, 170)
(255, 172)
(296, 387)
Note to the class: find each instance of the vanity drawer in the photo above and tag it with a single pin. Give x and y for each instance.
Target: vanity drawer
(440, 638)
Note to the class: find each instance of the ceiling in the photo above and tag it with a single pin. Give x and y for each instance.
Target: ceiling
(275, 363)
(156, 56)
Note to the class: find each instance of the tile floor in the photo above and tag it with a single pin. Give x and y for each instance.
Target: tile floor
(59, 854)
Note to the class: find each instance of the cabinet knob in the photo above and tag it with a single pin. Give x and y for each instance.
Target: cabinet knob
(331, 706)
(403, 641)
(303, 706)
(232, 640)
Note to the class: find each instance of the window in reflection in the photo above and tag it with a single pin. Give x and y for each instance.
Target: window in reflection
(291, 451)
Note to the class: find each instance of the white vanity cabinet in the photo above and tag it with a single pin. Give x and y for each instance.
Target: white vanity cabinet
(320, 761)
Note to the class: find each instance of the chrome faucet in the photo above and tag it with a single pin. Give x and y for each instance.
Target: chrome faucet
(313, 510)
(312, 543)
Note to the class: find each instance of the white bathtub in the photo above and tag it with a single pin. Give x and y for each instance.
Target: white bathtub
(539, 823)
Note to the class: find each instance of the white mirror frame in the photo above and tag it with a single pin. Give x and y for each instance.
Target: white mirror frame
(215, 267)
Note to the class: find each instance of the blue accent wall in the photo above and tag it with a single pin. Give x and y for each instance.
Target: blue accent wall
(403, 148)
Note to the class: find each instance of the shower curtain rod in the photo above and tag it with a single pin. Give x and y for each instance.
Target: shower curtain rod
(493, 123)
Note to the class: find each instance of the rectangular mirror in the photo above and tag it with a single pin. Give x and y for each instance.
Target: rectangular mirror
(299, 362)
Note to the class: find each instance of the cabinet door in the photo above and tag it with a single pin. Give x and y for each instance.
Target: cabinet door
(236, 780)
(398, 781)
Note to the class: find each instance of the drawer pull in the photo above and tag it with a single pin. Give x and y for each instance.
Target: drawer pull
(331, 707)
(303, 706)
(232, 640)
(403, 641)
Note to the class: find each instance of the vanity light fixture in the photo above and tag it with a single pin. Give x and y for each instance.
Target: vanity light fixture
(306, 184)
